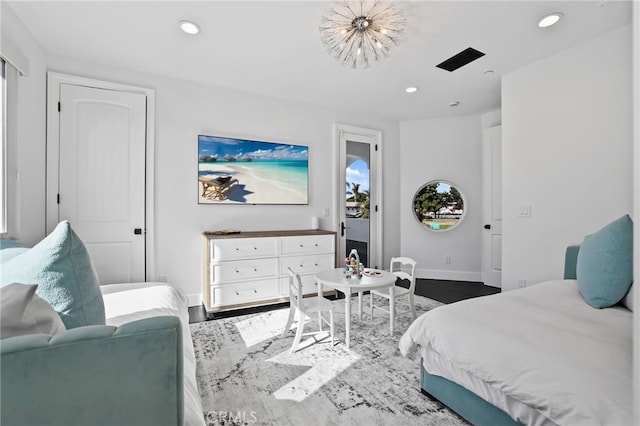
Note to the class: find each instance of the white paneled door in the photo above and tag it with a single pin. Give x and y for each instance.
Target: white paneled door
(492, 206)
(102, 177)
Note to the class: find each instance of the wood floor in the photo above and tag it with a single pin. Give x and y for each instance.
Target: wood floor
(441, 290)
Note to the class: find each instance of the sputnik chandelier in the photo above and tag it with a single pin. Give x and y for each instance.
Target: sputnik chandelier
(357, 32)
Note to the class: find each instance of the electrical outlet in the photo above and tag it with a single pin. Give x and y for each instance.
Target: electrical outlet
(522, 283)
(325, 212)
(163, 278)
(447, 260)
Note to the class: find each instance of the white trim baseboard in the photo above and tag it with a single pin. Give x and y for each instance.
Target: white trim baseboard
(438, 274)
(194, 299)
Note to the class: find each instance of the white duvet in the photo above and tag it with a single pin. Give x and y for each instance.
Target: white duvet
(543, 346)
(124, 303)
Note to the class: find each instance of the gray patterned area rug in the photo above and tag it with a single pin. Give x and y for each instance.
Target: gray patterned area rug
(247, 376)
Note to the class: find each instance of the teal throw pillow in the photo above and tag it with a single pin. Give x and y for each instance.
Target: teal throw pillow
(10, 253)
(61, 267)
(7, 243)
(605, 264)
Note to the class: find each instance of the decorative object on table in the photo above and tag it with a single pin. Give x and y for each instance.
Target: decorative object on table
(315, 223)
(357, 32)
(245, 171)
(223, 232)
(439, 205)
(353, 266)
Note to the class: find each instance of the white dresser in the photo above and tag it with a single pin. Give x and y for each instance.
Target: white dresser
(250, 268)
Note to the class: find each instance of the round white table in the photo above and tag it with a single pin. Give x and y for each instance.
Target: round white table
(336, 279)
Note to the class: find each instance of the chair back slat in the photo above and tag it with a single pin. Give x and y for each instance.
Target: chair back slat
(404, 268)
(295, 289)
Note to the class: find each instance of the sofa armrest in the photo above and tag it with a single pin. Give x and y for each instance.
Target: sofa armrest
(95, 375)
(570, 262)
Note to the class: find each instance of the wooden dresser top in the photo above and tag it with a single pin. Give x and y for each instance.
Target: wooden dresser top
(263, 234)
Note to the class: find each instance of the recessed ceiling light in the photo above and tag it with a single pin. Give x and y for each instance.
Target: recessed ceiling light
(189, 27)
(550, 19)
(411, 89)
(454, 103)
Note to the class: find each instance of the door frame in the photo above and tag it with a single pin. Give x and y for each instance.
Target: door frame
(375, 175)
(54, 80)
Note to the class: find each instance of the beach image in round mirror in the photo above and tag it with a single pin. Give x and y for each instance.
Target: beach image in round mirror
(439, 206)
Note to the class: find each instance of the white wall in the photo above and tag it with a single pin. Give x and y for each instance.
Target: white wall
(442, 149)
(567, 152)
(26, 136)
(185, 109)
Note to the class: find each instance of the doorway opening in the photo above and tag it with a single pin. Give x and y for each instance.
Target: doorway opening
(358, 200)
(359, 217)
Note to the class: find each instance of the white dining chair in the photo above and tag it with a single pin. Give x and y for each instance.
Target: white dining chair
(305, 308)
(399, 267)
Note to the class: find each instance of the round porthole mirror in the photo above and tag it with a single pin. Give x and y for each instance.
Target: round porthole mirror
(439, 206)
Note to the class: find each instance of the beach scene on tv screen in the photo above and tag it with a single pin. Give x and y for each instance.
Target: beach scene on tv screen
(252, 172)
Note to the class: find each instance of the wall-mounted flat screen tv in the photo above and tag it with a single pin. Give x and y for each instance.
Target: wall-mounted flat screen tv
(244, 171)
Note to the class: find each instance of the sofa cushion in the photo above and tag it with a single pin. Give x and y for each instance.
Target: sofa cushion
(605, 264)
(61, 267)
(22, 311)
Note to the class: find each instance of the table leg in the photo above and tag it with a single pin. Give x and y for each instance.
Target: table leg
(347, 317)
(392, 309)
(360, 305)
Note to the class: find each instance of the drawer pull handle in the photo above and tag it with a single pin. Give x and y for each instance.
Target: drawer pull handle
(301, 245)
(237, 294)
(255, 291)
(316, 264)
(316, 244)
(301, 265)
(237, 271)
(255, 269)
(255, 248)
(237, 249)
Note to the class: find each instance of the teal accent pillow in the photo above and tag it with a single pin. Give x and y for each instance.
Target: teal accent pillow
(605, 264)
(61, 267)
(8, 243)
(10, 253)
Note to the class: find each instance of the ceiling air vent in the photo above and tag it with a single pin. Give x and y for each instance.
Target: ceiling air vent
(461, 59)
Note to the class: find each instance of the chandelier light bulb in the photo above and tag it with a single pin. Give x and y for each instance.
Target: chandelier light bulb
(359, 32)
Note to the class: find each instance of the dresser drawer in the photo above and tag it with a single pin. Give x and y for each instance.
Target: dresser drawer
(306, 244)
(242, 270)
(305, 265)
(243, 248)
(309, 286)
(237, 294)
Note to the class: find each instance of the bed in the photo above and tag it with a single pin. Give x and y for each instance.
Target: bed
(536, 356)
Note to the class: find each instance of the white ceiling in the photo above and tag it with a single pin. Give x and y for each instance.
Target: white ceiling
(273, 47)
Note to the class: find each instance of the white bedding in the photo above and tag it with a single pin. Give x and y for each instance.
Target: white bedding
(543, 346)
(124, 303)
